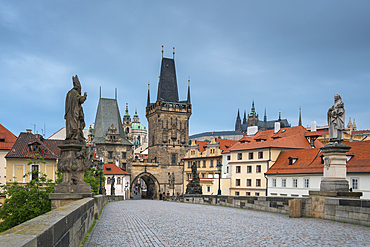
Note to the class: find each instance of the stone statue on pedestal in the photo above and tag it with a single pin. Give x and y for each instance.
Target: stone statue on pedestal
(112, 189)
(74, 161)
(336, 120)
(193, 187)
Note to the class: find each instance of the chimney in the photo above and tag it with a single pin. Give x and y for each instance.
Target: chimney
(29, 131)
(252, 130)
(313, 126)
(277, 127)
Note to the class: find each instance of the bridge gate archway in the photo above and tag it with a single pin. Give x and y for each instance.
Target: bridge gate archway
(148, 190)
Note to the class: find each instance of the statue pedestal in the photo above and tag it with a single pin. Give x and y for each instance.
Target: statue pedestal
(335, 170)
(73, 164)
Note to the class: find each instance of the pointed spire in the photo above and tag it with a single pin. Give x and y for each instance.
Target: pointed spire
(265, 116)
(167, 86)
(279, 116)
(238, 114)
(238, 123)
(300, 117)
(126, 117)
(253, 111)
(100, 93)
(135, 115)
(245, 117)
(354, 125)
(148, 100)
(349, 125)
(188, 100)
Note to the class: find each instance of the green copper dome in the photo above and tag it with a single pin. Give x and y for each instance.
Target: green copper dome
(137, 126)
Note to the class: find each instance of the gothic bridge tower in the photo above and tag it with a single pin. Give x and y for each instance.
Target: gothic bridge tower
(168, 139)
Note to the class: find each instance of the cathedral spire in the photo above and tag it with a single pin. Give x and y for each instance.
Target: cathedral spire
(265, 116)
(245, 117)
(238, 123)
(300, 117)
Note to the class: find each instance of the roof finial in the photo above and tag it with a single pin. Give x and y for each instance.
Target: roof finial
(100, 93)
(173, 53)
(188, 100)
(148, 100)
(300, 117)
(115, 93)
(162, 51)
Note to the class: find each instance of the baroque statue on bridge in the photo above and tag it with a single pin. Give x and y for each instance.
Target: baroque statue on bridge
(336, 120)
(74, 114)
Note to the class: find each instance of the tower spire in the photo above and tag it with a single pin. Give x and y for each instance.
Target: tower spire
(148, 100)
(300, 117)
(245, 117)
(188, 100)
(238, 124)
(265, 116)
(167, 86)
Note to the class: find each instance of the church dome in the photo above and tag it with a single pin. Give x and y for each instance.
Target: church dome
(137, 126)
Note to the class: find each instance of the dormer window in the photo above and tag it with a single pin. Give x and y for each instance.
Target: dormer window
(108, 168)
(292, 160)
(349, 157)
(2, 140)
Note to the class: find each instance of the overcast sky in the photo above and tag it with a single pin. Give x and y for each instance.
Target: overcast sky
(282, 54)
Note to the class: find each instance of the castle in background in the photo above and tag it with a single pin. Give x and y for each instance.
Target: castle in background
(254, 121)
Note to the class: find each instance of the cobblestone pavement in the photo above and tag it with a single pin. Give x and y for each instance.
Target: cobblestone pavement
(158, 223)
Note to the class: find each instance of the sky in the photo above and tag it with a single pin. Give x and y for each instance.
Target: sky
(282, 54)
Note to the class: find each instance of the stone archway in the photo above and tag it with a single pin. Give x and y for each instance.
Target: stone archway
(151, 184)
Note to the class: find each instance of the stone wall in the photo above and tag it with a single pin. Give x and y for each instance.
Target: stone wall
(263, 203)
(355, 211)
(64, 226)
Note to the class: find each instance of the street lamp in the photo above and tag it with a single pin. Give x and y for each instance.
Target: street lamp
(219, 168)
(173, 184)
(100, 168)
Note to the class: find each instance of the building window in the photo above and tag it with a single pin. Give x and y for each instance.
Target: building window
(258, 182)
(307, 183)
(249, 182)
(208, 189)
(247, 193)
(250, 156)
(188, 176)
(108, 180)
(173, 159)
(260, 155)
(189, 164)
(228, 157)
(258, 168)
(198, 164)
(354, 183)
(35, 172)
(203, 175)
(237, 182)
(192, 152)
(283, 182)
(240, 156)
(118, 180)
(123, 155)
(249, 169)
(237, 169)
(274, 182)
(295, 183)
(124, 166)
(110, 154)
(211, 163)
(227, 169)
(204, 164)
(212, 151)
(236, 193)
(257, 194)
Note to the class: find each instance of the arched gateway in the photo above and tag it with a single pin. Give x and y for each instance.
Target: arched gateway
(145, 186)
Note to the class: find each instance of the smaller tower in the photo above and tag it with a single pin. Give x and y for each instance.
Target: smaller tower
(245, 117)
(253, 116)
(127, 121)
(300, 117)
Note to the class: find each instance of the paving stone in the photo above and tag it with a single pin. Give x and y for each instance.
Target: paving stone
(158, 223)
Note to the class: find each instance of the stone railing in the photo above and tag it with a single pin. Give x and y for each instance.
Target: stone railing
(276, 204)
(355, 211)
(64, 226)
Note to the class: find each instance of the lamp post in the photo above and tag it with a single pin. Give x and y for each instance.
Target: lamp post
(100, 167)
(219, 168)
(173, 184)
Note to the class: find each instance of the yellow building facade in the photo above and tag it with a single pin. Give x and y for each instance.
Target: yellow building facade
(207, 155)
(25, 147)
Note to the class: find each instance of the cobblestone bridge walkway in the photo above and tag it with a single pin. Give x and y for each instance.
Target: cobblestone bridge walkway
(158, 223)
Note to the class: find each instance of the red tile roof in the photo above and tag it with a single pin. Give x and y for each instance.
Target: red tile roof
(225, 144)
(201, 145)
(114, 170)
(359, 132)
(48, 148)
(309, 160)
(8, 137)
(293, 137)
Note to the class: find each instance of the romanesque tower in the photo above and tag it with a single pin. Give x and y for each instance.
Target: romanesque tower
(168, 119)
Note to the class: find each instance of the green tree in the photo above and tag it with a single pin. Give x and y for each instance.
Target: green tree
(92, 177)
(25, 202)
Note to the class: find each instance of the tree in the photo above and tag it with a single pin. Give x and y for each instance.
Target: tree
(92, 177)
(25, 202)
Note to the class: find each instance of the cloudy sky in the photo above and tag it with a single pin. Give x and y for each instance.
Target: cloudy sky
(282, 54)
